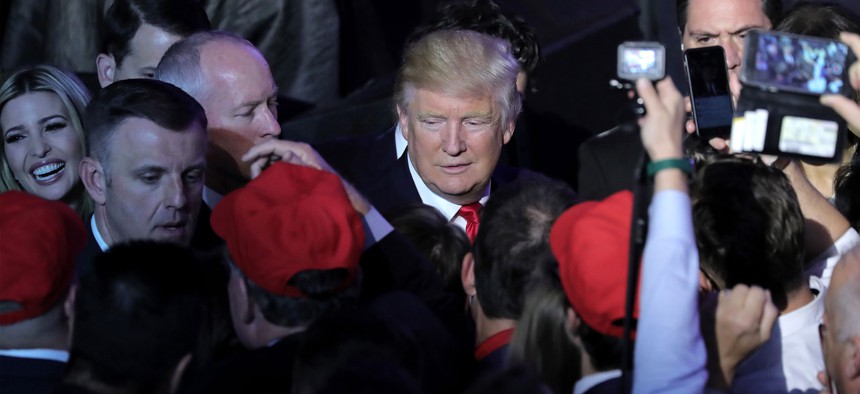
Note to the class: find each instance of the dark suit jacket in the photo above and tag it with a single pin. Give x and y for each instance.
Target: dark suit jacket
(607, 162)
(204, 238)
(360, 160)
(395, 189)
(84, 259)
(29, 375)
(264, 370)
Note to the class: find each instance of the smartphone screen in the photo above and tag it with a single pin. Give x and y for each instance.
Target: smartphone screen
(641, 59)
(796, 63)
(710, 96)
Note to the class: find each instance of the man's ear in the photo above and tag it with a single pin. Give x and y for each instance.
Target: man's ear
(403, 120)
(240, 299)
(508, 132)
(852, 367)
(94, 179)
(105, 69)
(467, 275)
(705, 284)
(571, 323)
(179, 371)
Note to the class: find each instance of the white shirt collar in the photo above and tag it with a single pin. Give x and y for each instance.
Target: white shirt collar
(211, 198)
(587, 382)
(809, 315)
(97, 235)
(41, 354)
(448, 209)
(399, 141)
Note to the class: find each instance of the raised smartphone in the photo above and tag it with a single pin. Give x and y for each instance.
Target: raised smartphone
(641, 59)
(710, 96)
(777, 61)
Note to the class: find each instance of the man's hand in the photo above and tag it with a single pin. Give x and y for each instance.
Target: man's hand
(288, 151)
(845, 107)
(300, 154)
(661, 127)
(744, 320)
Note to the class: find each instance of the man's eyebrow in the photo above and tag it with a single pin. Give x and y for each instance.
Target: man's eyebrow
(734, 32)
(472, 115)
(201, 165)
(148, 168)
(745, 28)
(427, 115)
(703, 33)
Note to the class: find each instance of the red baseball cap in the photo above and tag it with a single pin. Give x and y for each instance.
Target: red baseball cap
(39, 240)
(591, 241)
(290, 219)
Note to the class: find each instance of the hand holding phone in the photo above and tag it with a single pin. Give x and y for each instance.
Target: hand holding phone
(710, 96)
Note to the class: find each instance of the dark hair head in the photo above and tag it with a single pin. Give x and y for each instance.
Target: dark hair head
(137, 313)
(322, 290)
(604, 351)
(771, 8)
(442, 242)
(513, 240)
(156, 101)
(124, 18)
(484, 16)
(542, 338)
(824, 20)
(749, 227)
(354, 351)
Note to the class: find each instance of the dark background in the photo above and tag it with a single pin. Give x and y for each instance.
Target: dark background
(334, 60)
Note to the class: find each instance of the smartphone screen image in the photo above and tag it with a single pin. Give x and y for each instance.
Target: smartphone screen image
(811, 137)
(796, 63)
(641, 59)
(710, 96)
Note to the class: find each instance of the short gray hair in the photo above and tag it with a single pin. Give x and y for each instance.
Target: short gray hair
(461, 63)
(180, 65)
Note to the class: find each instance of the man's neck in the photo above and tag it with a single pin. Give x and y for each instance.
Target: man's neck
(798, 299)
(100, 217)
(222, 183)
(269, 334)
(486, 327)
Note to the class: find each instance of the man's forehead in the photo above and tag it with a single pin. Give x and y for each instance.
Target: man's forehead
(443, 100)
(714, 16)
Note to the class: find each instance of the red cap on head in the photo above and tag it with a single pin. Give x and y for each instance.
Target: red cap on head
(289, 219)
(39, 240)
(591, 241)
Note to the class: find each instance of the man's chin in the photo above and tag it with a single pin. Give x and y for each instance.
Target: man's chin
(178, 237)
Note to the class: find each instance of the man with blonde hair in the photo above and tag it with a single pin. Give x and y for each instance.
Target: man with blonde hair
(457, 104)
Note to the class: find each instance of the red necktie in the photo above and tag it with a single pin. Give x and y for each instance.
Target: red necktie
(471, 213)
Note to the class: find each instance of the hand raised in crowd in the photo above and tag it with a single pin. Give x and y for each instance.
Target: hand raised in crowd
(262, 155)
(744, 320)
(846, 107)
(661, 127)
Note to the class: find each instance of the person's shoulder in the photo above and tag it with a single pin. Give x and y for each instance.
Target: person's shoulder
(359, 159)
(614, 137)
(504, 175)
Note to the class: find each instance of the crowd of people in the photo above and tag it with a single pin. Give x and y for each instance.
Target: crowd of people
(161, 235)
